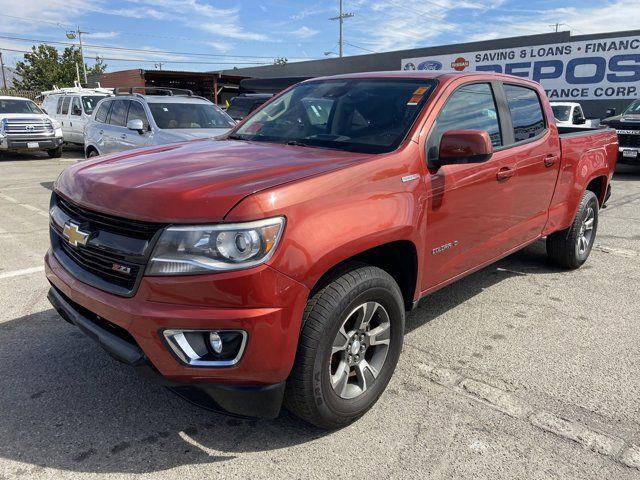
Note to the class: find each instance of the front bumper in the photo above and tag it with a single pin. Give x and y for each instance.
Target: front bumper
(26, 144)
(629, 155)
(261, 301)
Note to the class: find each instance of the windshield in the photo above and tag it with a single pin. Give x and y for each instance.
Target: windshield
(18, 106)
(561, 112)
(89, 103)
(633, 109)
(189, 115)
(360, 115)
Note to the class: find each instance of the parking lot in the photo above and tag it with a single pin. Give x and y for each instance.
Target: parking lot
(520, 370)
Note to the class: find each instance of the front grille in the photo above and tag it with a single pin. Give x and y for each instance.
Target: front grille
(25, 127)
(626, 140)
(116, 252)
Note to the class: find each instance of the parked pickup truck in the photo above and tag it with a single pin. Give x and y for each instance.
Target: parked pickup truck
(627, 126)
(278, 263)
(570, 114)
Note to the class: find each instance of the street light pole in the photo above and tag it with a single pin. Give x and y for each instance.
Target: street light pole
(341, 18)
(72, 35)
(4, 79)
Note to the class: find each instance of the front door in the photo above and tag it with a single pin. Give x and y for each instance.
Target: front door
(469, 206)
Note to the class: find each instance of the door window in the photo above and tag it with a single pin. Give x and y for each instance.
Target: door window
(136, 112)
(76, 108)
(118, 114)
(526, 112)
(65, 105)
(470, 107)
(59, 107)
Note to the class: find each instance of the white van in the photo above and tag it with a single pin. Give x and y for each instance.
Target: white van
(72, 108)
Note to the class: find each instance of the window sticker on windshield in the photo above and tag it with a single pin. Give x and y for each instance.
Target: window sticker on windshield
(165, 109)
(417, 95)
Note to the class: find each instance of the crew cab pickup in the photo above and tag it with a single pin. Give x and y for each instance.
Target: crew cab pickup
(276, 264)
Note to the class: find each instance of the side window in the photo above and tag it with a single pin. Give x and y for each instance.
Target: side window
(526, 112)
(118, 115)
(470, 107)
(59, 107)
(76, 108)
(136, 112)
(65, 105)
(101, 114)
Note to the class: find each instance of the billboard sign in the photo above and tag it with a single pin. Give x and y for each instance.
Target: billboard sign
(599, 69)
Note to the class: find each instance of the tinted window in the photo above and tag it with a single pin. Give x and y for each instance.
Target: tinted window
(561, 112)
(17, 105)
(65, 105)
(136, 112)
(526, 112)
(242, 106)
(101, 114)
(59, 107)
(118, 115)
(471, 107)
(366, 115)
(76, 109)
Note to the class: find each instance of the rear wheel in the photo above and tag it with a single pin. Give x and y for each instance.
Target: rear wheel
(92, 153)
(570, 248)
(349, 347)
(55, 152)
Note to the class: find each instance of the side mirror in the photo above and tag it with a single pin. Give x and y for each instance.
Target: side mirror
(611, 112)
(137, 125)
(464, 146)
(76, 111)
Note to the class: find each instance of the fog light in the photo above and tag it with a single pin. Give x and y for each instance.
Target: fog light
(206, 348)
(216, 342)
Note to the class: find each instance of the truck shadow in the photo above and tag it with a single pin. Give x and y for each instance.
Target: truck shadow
(65, 404)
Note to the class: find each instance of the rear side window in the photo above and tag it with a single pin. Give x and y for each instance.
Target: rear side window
(118, 115)
(103, 110)
(65, 105)
(470, 107)
(59, 107)
(526, 112)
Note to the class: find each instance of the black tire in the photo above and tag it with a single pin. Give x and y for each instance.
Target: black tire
(92, 153)
(55, 152)
(309, 394)
(565, 247)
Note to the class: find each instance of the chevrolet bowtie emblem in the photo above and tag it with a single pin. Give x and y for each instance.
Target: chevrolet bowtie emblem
(73, 234)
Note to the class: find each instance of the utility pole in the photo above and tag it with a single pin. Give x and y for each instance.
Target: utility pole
(78, 34)
(556, 25)
(4, 79)
(341, 18)
(159, 65)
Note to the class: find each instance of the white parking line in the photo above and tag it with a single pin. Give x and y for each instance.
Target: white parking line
(19, 273)
(37, 210)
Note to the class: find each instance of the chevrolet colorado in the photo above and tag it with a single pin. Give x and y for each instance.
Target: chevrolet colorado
(276, 264)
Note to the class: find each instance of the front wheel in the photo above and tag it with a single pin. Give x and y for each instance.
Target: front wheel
(349, 347)
(570, 248)
(55, 152)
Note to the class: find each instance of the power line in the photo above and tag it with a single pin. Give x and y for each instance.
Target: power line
(361, 48)
(124, 49)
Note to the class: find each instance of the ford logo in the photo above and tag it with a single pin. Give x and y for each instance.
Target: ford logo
(430, 65)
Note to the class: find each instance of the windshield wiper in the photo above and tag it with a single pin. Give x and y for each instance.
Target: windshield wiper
(296, 143)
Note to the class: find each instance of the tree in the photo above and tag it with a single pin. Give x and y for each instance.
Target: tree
(45, 67)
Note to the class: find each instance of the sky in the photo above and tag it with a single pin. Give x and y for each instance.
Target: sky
(210, 35)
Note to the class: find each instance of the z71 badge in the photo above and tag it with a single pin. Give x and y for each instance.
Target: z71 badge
(444, 247)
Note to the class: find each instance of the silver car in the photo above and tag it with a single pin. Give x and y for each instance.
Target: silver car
(136, 120)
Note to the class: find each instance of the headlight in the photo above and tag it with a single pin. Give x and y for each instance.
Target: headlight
(203, 249)
(55, 124)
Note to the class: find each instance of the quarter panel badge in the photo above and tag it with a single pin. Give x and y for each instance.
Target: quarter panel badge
(74, 235)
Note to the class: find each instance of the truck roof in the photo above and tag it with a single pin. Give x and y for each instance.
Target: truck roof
(9, 97)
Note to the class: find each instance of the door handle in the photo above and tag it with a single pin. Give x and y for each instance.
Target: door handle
(101, 132)
(123, 136)
(550, 160)
(505, 173)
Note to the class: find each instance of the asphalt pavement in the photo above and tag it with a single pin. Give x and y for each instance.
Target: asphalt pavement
(521, 370)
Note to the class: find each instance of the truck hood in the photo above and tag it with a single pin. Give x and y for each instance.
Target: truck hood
(24, 116)
(191, 182)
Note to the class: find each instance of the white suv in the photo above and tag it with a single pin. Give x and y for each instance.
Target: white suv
(24, 127)
(158, 117)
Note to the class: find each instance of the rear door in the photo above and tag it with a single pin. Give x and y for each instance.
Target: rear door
(469, 209)
(115, 131)
(535, 151)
